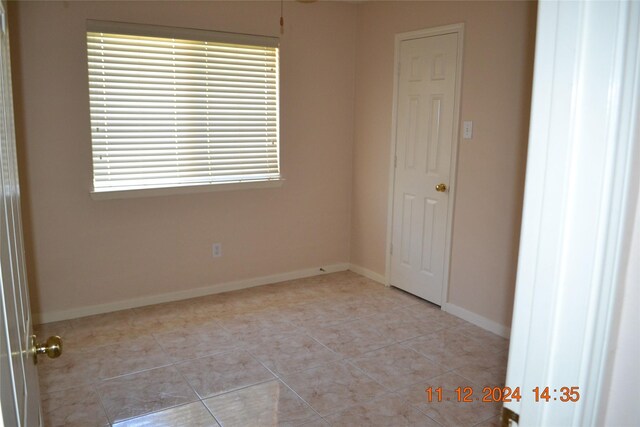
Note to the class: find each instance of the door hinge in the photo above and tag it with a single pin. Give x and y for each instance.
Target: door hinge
(391, 249)
(395, 161)
(508, 418)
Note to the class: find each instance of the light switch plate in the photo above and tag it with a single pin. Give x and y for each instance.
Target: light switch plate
(216, 250)
(467, 130)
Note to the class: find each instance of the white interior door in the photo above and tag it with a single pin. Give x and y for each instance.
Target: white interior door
(19, 393)
(424, 134)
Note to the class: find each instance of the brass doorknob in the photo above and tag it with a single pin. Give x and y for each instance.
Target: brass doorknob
(52, 348)
(441, 188)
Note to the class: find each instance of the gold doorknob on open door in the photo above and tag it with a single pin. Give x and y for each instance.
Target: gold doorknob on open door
(52, 348)
(441, 187)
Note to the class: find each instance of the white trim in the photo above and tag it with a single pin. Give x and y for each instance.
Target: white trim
(476, 319)
(55, 316)
(369, 274)
(464, 314)
(580, 190)
(184, 189)
(447, 29)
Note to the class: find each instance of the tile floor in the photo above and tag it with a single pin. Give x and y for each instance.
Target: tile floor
(336, 349)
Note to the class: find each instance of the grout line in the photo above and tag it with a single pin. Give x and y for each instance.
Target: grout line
(172, 364)
(213, 396)
(367, 375)
(426, 415)
(200, 399)
(300, 397)
(103, 407)
(166, 365)
(417, 408)
(210, 412)
(395, 306)
(155, 412)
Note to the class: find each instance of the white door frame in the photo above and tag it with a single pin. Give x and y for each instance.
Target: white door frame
(436, 31)
(581, 190)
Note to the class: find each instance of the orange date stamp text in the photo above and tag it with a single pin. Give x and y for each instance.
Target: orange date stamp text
(502, 394)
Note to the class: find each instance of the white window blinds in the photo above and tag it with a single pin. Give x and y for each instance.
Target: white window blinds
(201, 108)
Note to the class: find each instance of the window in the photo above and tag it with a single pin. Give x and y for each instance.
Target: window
(181, 108)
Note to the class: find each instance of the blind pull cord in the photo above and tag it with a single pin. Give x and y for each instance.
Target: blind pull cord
(281, 17)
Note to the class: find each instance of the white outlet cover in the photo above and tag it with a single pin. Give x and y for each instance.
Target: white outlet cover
(467, 129)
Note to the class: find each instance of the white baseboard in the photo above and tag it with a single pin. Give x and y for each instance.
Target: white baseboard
(74, 313)
(477, 320)
(368, 273)
(453, 309)
(55, 316)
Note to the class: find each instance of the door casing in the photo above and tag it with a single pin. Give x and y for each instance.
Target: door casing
(581, 191)
(429, 32)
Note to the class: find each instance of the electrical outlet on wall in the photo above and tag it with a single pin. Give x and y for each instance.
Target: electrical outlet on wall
(216, 250)
(467, 129)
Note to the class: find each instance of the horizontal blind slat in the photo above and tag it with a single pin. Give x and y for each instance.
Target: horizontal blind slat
(97, 78)
(163, 45)
(182, 181)
(96, 87)
(221, 115)
(239, 142)
(212, 163)
(126, 162)
(181, 167)
(185, 173)
(101, 58)
(195, 93)
(190, 133)
(201, 127)
(175, 151)
(195, 49)
(177, 57)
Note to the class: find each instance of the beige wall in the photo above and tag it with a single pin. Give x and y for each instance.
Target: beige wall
(84, 252)
(496, 87)
(332, 207)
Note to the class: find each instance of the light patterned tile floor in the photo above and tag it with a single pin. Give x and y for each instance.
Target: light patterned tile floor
(336, 349)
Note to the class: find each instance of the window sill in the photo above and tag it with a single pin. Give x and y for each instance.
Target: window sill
(187, 189)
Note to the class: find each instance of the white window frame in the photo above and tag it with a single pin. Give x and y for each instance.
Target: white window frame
(196, 35)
